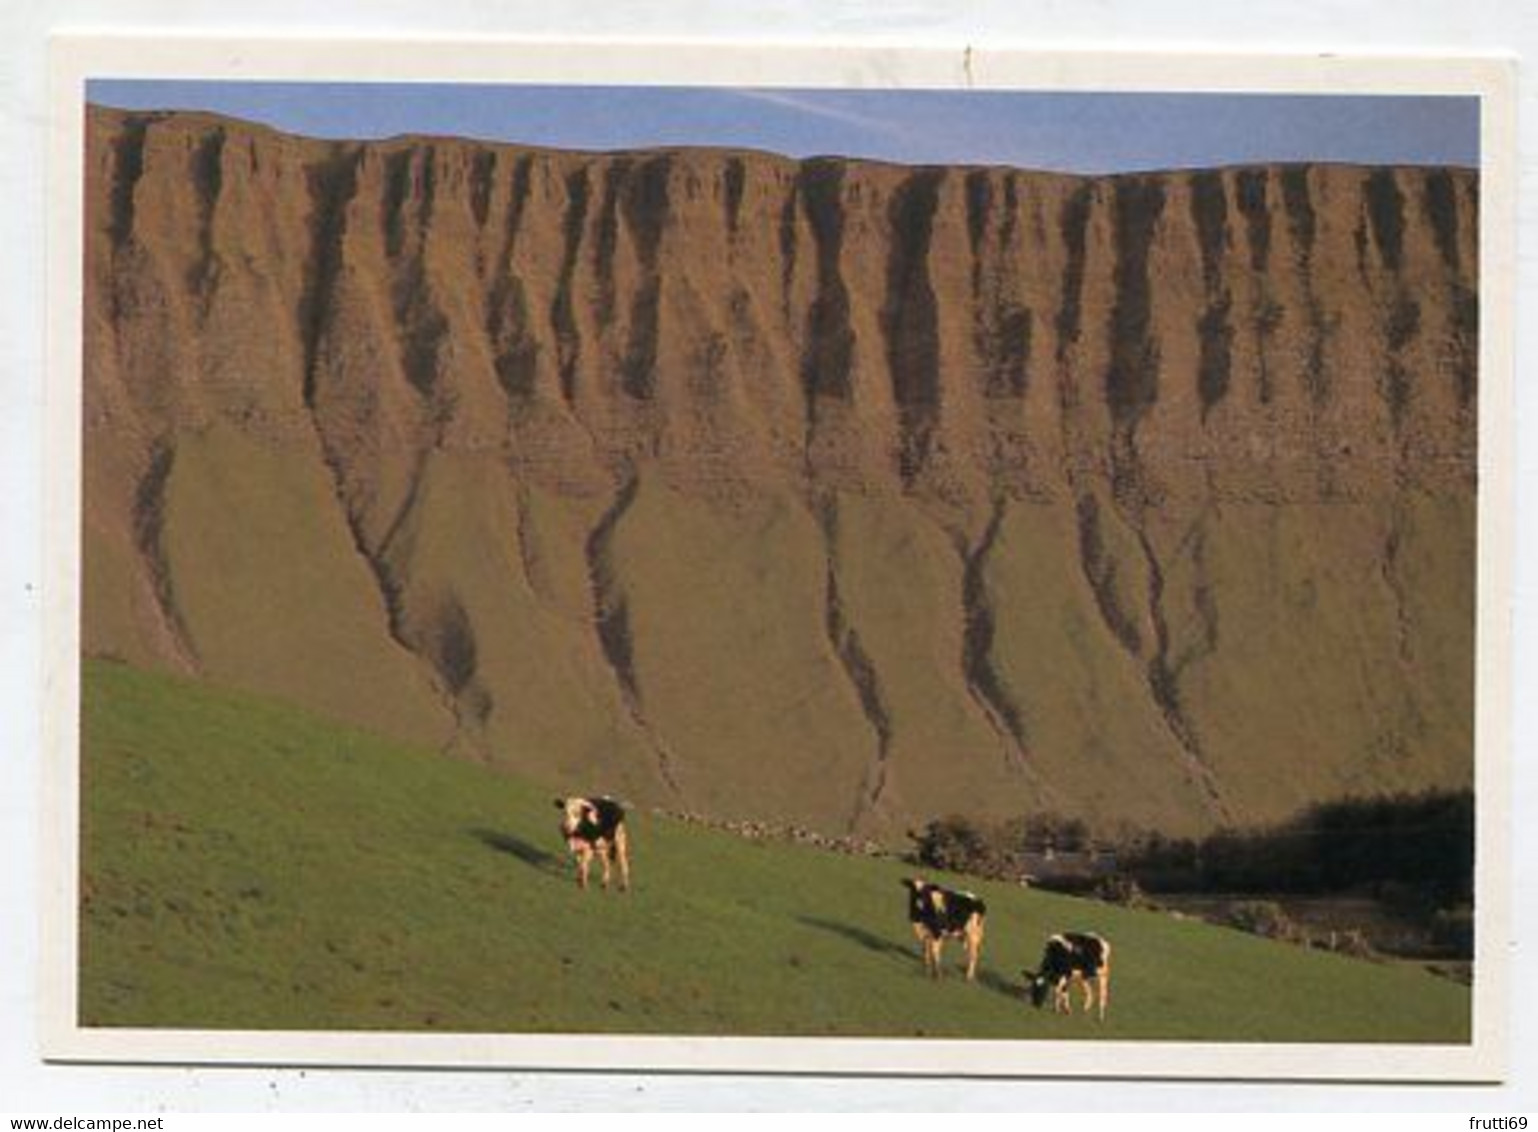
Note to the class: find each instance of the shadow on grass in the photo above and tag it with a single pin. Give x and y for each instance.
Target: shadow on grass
(988, 980)
(998, 984)
(531, 855)
(862, 936)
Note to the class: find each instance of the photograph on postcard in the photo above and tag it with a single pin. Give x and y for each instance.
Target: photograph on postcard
(778, 561)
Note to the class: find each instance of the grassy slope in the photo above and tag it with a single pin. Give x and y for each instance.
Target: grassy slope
(1317, 649)
(249, 866)
(273, 594)
(726, 614)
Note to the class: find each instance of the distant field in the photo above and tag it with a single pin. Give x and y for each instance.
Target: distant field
(249, 866)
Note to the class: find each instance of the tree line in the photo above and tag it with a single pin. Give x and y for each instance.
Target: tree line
(1400, 847)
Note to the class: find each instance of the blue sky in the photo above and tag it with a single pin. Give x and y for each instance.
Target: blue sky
(1085, 133)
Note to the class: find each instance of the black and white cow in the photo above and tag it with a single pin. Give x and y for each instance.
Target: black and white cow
(596, 826)
(938, 914)
(1072, 957)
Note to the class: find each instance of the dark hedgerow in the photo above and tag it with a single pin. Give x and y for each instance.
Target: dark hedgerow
(1411, 853)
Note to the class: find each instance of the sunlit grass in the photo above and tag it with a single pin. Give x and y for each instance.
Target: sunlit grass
(246, 865)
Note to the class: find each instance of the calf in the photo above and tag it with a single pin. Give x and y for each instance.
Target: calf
(938, 914)
(596, 826)
(1072, 957)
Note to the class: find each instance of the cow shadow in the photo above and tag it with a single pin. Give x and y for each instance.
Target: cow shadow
(999, 984)
(862, 936)
(530, 854)
(989, 980)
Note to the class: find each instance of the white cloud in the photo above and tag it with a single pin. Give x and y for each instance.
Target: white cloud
(801, 103)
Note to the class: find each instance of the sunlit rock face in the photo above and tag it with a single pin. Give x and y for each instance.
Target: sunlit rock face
(820, 491)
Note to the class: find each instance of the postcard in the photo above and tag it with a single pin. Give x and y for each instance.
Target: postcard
(780, 559)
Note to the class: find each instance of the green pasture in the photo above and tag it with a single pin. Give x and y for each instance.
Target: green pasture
(245, 865)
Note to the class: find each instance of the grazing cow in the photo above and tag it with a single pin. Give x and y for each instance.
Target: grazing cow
(596, 826)
(938, 914)
(1072, 957)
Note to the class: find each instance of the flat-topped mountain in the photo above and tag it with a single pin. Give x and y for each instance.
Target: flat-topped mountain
(823, 491)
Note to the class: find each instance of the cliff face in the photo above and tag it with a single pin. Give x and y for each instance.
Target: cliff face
(826, 491)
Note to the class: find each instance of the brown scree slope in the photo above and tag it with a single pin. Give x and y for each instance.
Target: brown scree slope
(825, 491)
